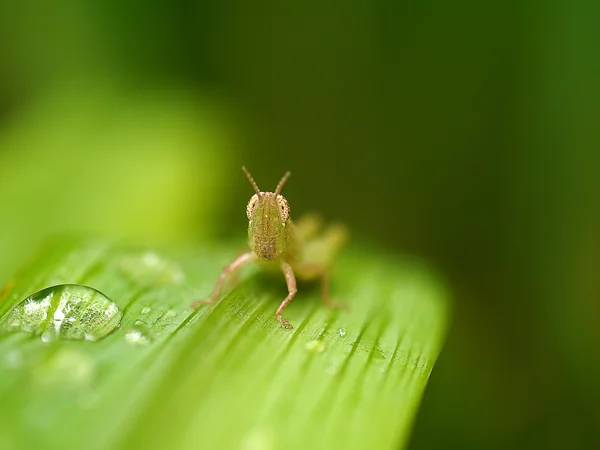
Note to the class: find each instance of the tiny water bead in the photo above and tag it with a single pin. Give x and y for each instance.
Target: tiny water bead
(315, 346)
(136, 337)
(170, 314)
(341, 332)
(139, 334)
(66, 311)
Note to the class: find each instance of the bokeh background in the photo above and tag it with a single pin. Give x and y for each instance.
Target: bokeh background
(464, 132)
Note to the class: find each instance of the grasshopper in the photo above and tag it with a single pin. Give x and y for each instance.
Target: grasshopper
(278, 243)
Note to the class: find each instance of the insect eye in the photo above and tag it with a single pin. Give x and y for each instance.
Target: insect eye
(251, 205)
(284, 207)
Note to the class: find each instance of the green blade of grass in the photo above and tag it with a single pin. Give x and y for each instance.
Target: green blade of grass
(227, 375)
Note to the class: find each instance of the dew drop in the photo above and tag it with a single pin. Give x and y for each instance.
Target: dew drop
(170, 314)
(146, 310)
(66, 311)
(136, 337)
(139, 334)
(333, 369)
(341, 332)
(315, 346)
(47, 336)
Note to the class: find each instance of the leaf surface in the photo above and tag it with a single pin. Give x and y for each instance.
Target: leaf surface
(227, 375)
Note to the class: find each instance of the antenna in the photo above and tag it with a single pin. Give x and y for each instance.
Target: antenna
(251, 180)
(281, 183)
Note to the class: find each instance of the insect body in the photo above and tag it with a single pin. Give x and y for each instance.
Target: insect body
(275, 240)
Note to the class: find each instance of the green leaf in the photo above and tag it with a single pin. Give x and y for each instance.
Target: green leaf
(226, 376)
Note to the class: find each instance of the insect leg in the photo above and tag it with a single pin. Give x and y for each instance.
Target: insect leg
(290, 280)
(308, 226)
(234, 278)
(236, 264)
(310, 271)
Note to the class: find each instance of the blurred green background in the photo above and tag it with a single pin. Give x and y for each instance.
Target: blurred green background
(464, 132)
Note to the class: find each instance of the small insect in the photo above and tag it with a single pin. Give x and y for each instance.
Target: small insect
(277, 243)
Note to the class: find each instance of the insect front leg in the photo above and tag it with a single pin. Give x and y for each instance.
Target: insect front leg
(290, 280)
(228, 270)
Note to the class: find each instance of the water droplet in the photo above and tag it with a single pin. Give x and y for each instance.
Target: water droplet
(146, 310)
(333, 369)
(315, 346)
(150, 269)
(136, 337)
(66, 311)
(139, 334)
(341, 332)
(170, 314)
